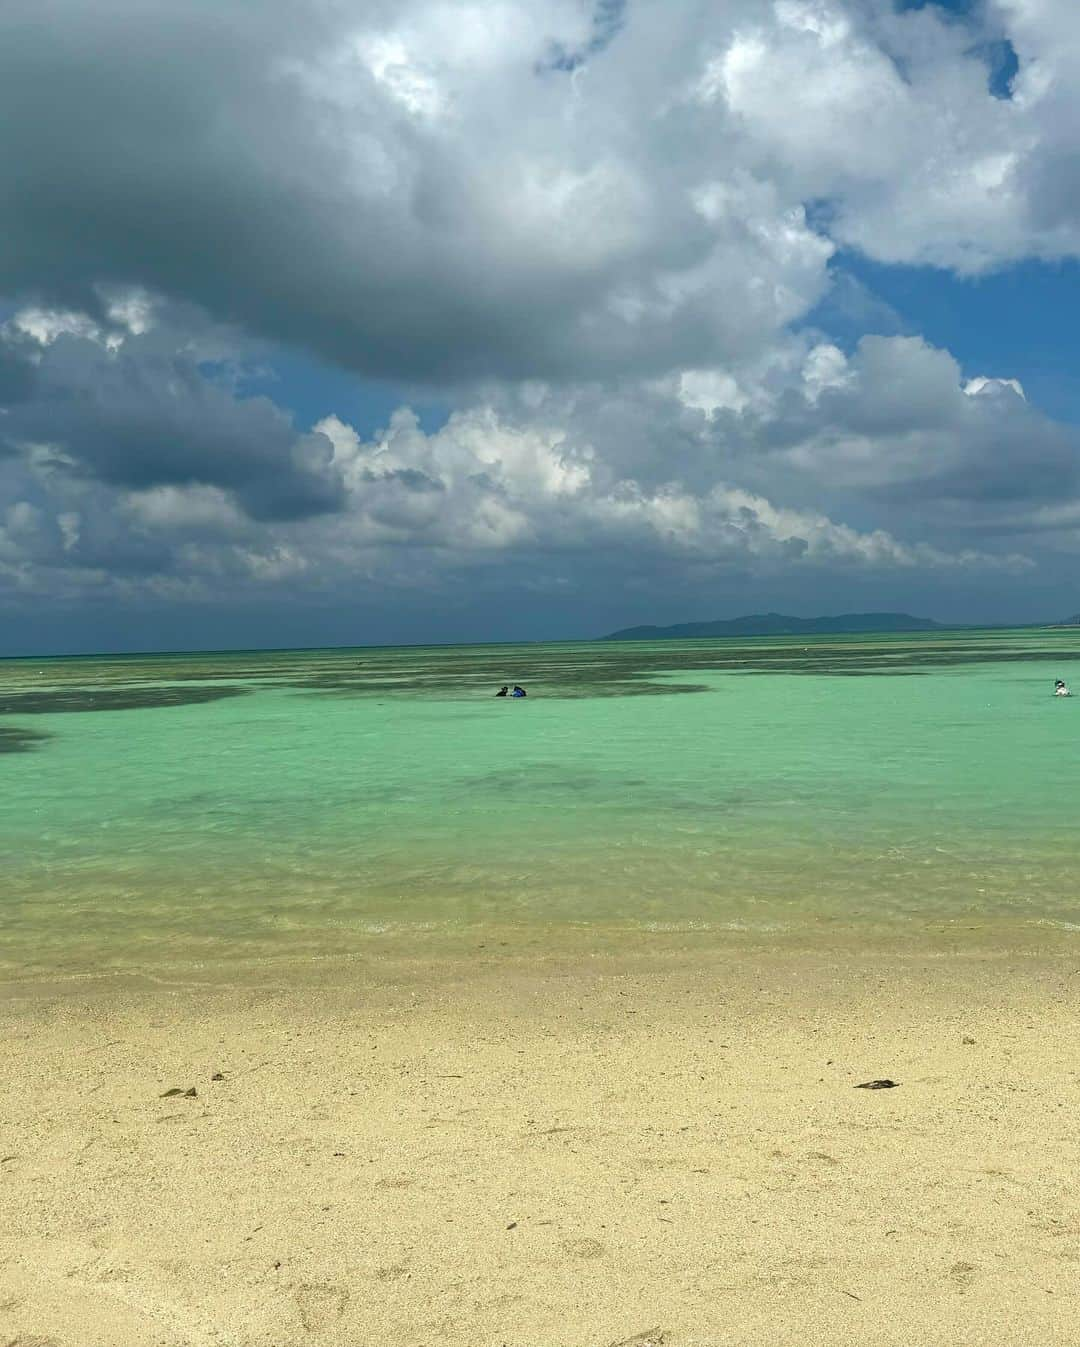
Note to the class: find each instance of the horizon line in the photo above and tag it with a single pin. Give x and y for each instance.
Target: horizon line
(942, 629)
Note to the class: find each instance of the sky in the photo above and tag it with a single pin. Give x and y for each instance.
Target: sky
(339, 322)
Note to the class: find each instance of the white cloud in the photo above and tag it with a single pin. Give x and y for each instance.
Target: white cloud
(45, 325)
(982, 386)
(826, 366)
(132, 310)
(198, 507)
(483, 483)
(710, 391)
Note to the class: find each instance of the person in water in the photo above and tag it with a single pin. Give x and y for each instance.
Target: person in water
(1060, 690)
(504, 691)
(518, 692)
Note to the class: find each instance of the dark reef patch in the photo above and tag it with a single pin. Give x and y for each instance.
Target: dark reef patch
(567, 670)
(56, 700)
(438, 688)
(663, 668)
(14, 739)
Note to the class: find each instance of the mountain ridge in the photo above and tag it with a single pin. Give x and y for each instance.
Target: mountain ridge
(778, 624)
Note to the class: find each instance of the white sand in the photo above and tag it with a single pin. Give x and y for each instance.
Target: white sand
(563, 1153)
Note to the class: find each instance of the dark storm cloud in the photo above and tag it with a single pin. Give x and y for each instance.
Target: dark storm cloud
(143, 416)
(406, 189)
(247, 160)
(16, 370)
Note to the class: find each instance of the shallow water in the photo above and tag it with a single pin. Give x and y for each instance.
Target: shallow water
(226, 806)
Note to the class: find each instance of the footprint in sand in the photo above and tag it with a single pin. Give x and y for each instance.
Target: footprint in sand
(583, 1248)
(320, 1306)
(963, 1274)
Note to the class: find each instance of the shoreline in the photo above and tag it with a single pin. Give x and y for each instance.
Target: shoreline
(563, 1151)
(442, 954)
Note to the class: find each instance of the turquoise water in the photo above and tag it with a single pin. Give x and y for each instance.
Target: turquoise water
(213, 807)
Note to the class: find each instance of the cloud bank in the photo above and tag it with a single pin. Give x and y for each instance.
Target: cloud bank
(596, 233)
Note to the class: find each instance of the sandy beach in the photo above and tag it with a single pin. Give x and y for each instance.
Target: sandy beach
(566, 1151)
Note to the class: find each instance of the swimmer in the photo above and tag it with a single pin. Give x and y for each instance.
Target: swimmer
(1060, 690)
(504, 691)
(518, 692)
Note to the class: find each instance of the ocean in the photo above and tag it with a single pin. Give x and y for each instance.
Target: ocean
(199, 810)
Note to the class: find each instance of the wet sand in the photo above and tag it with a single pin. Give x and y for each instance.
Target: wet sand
(564, 1151)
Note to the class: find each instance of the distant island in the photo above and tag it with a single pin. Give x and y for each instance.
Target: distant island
(776, 624)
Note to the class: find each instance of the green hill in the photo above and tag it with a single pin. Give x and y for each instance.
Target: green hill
(776, 624)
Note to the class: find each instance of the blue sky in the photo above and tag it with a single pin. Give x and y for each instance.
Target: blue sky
(1018, 322)
(307, 387)
(476, 320)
